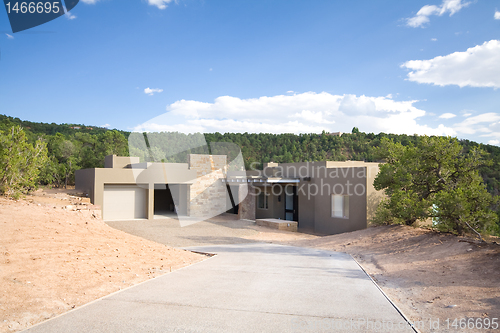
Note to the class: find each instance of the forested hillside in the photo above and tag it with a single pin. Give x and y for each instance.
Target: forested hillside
(356, 146)
(70, 147)
(74, 146)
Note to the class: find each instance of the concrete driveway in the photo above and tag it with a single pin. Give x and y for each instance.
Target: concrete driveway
(254, 287)
(222, 229)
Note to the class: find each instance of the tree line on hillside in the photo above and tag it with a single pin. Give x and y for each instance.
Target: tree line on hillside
(71, 147)
(356, 146)
(67, 149)
(62, 149)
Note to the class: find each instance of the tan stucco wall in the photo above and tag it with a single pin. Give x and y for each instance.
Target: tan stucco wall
(197, 184)
(92, 181)
(307, 212)
(85, 182)
(119, 162)
(351, 183)
(373, 197)
(305, 169)
(315, 210)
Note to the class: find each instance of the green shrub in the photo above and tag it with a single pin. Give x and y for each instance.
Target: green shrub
(20, 162)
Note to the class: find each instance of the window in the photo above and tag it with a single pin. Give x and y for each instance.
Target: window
(262, 200)
(340, 206)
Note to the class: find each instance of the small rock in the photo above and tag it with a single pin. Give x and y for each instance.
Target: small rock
(451, 306)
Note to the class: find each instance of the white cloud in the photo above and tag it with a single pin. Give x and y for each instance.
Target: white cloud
(447, 116)
(479, 66)
(105, 125)
(315, 117)
(486, 123)
(494, 142)
(308, 112)
(422, 17)
(150, 92)
(434, 39)
(68, 15)
(161, 4)
(497, 15)
(9, 36)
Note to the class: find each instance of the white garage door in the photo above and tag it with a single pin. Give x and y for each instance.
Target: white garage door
(124, 202)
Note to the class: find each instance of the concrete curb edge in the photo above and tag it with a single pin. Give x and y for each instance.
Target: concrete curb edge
(387, 297)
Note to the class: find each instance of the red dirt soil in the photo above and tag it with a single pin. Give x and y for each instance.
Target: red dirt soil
(53, 259)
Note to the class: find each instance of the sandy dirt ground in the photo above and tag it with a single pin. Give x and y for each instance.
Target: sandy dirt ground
(57, 254)
(430, 276)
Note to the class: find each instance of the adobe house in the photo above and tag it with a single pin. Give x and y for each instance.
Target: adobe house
(324, 197)
(126, 189)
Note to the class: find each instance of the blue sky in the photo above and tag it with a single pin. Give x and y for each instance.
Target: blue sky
(425, 67)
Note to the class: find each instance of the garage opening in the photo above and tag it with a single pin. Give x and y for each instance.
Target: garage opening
(164, 204)
(124, 202)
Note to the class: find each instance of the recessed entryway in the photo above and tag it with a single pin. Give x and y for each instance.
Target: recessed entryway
(164, 205)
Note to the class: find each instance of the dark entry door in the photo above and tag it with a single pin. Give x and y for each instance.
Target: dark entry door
(233, 197)
(291, 204)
